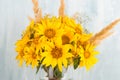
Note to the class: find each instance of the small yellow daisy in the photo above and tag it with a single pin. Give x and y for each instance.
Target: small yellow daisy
(87, 55)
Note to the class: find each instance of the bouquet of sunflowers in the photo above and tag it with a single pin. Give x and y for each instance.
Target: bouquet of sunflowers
(52, 42)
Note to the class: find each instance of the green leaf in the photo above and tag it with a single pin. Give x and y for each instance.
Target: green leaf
(76, 62)
(46, 69)
(38, 67)
(57, 73)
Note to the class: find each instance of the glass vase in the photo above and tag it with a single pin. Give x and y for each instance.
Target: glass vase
(55, 74)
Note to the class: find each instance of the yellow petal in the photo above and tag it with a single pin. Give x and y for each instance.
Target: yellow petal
(21, 62)
(95, 52)
(66, 48)
(34, 63)
(43, 23)
(59, 65)
(48, 61)
(44, 54)
(53, 63)
(87, 46)
(64, 62)
(69, 55)
(58, 41)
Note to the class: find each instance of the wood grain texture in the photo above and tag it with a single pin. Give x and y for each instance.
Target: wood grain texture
(13, 20)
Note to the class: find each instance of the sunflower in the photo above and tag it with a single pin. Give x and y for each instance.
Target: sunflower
(81, 39)
(67, 37)
(50, 29)
(87, 55)
(20, 44)
(56, 55)
(72, 25)
(32, 56)
(77, 41)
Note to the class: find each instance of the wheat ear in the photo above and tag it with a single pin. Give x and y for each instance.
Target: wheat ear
(105, 32)
(37, 11)
(62, 8)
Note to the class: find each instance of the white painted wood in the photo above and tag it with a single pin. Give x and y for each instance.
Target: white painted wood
(13, 20)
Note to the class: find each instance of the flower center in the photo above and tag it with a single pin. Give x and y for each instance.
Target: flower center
(65, 39)
(29, 43)
(34, 56)
(86, 55)
(50, 33)
(56, 52)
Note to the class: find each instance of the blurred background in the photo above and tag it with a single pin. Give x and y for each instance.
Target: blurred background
(98, 13)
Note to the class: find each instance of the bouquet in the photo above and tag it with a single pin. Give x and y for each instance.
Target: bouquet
(57, 42)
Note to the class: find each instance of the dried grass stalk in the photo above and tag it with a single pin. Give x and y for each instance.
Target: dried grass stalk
(75, 16)
(30, 18)
(62, 8)
(105, 32)
(37, 11)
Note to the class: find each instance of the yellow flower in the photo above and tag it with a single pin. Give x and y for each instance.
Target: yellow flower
(77, 41)
(20, 57)
(20, 44)
(72, 25)
(88, 56)
(50, 29)
(56, 55)
(81, 39)
(67, 37)
(31, 56)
